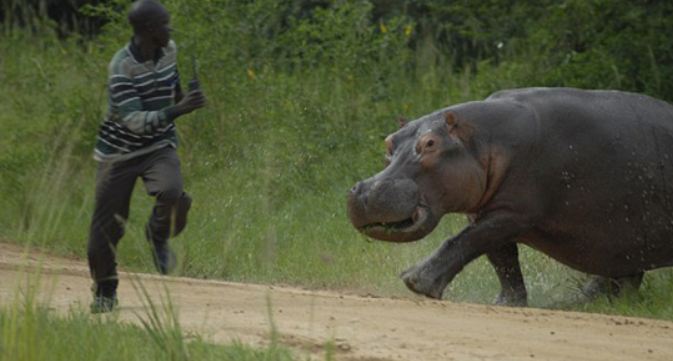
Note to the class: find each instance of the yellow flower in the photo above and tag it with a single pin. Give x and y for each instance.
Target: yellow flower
(407, 30)
(383, 27)
(251, 74)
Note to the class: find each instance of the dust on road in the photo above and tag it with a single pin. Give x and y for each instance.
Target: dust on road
(359, 328)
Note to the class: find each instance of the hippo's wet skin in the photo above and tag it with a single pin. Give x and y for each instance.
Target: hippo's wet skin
(584, 176)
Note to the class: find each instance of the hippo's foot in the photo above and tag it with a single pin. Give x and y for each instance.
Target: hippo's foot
(611, 287)
(421, 279)
(512, 298)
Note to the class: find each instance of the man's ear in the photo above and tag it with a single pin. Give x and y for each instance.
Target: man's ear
(461, 129)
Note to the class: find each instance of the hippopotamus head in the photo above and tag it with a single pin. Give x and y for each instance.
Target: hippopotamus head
(432, 169)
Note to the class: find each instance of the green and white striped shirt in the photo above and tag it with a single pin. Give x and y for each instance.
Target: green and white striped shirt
(141, 95)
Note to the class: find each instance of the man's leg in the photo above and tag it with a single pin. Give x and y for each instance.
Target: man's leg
(114, 185)
(163, 181)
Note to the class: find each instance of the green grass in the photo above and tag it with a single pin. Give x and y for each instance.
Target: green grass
(269, 161)
(38, 334)
(31, 331)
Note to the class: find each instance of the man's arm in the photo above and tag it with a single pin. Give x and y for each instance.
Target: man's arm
(125, 99)
(178, 88)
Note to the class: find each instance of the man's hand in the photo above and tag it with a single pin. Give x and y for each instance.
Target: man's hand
(193, 100)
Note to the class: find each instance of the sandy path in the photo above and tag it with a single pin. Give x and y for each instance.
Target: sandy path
(372, 329)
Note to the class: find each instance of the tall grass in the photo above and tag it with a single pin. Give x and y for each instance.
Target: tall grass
(268, 163)
(294, 119)
(30, 331)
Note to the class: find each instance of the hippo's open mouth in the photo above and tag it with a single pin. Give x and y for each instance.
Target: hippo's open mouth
(390, 210)
(408, 225)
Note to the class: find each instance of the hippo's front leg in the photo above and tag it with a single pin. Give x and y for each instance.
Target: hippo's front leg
(490, 233)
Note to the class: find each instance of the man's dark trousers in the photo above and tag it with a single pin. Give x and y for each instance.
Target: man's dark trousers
(160, 172)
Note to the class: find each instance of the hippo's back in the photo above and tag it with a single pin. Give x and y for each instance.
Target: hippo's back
(603, 163)
(612, 108)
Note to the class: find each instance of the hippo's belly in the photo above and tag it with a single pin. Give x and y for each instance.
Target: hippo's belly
(606, 242)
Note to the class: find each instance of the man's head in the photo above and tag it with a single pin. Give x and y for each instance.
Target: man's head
(151, 21)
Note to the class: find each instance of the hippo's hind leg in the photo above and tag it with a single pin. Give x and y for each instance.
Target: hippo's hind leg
(611, 287)
(505, 260)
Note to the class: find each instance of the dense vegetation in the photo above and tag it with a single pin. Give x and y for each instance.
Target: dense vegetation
(301, 95)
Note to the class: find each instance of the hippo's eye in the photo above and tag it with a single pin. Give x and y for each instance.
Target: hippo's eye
(425, 145)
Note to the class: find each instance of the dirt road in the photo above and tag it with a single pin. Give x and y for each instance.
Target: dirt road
(360, 328)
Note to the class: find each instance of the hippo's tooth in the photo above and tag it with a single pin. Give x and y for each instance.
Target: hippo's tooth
(414, 216)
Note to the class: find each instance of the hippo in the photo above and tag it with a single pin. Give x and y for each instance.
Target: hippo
(584, 176)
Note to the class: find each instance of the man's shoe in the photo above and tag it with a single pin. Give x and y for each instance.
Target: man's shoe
(102, 304)
(104, 295)
(162, 255)
(164, 258)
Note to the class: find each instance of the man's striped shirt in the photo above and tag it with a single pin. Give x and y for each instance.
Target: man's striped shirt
(140, 95)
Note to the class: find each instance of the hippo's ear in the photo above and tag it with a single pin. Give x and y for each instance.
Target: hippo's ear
(450, 119)
(402, 121)
(460, 129)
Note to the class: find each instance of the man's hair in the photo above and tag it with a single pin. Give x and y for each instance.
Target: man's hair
(143, 13)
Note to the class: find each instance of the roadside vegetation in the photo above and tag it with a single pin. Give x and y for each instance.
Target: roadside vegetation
(30, 331)
(301, 95)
